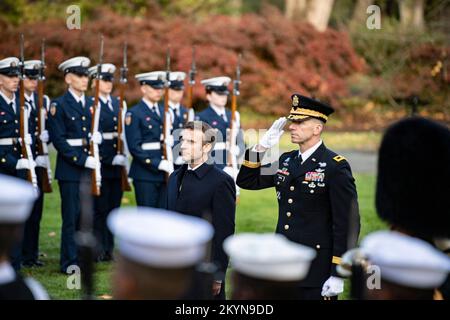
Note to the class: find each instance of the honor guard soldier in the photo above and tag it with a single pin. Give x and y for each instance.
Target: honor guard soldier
(266, 266)
(143, 129)
(11, 161)
(111, 163)
(30, 250)
(219, 117)
(407, 268)
(201, 189)
(158, 251)
(16, 200)
(401, 198)
(179, 112)
(69, 128)
(316, 193)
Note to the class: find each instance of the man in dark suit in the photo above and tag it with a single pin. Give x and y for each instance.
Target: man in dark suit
(316, 193)
(202, 189)
(69, 128)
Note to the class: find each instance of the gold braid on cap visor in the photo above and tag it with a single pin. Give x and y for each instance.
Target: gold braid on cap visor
(306, 112)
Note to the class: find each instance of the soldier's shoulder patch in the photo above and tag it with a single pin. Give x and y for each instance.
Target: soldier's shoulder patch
(53, 107)
(339, 158)
(128, 118)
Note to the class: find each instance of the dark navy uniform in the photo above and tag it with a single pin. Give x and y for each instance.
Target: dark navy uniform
(217, 122)
(30, 250)
(111, 189)
(69, 128)
(315, 200)
(206, 191)
(143, 128)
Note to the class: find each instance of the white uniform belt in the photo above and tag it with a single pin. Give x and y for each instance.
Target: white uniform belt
(220, 146)
(76, 142)
(8, 141)
(109, 135)
(151, 146)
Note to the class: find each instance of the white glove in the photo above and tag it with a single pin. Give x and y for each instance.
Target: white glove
(120, 160)
(28, 140)
(91, 163)
(273, 135)
(169, 140)
(44, 137)
(229, 170)
(166, 166)
(236, 150)
(23, 164)
(42, 161)
(179, 161)
(333, 286)
(97, 138)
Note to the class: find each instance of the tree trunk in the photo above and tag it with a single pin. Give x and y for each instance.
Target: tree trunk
(412, 14)
(359, 16)
(319, 12)
(294, 9)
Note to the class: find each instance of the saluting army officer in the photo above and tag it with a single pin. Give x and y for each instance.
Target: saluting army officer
(111, 189)
(316, 193)
(144, 128)
(219, 118)
(179, 112)
(30, 250)
(69, 128)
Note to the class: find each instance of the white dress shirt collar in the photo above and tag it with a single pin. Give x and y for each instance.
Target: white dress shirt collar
(305, 155)
(77, 98)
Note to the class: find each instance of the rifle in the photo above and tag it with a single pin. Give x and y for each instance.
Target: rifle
(167, 126)
(231, 158)
(190, 92)
(85, 238)
(26, 148)
(42, 146)
(120, 143)
(96, 178)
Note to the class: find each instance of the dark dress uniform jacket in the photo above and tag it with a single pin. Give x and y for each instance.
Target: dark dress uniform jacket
(206, 190)
(316, 199)
(108, 149)
(216, 122)
(142, 125)
(68, 120)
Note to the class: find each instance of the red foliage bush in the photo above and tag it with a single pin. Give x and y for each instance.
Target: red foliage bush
(279, 56)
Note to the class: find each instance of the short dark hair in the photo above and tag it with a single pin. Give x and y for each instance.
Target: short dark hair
(209, 132)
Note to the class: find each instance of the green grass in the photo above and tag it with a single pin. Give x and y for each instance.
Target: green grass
(256, 212)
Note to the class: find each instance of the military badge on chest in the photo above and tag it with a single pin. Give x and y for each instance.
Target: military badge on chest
(315, 179)
(283, 174)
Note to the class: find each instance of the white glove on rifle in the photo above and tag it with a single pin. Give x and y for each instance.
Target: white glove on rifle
(333, 286)
(28, 140)
(120, 160)
(91, 162)
(179, 161)
(97, 138)
(42, 161)
(229, 170)
(44, 137)
(166, 166)
(24, 164)
(273, 135)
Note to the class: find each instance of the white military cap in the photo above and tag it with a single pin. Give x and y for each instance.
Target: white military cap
(32, 68)
(77, 65)
(217, 84)
(154, 79)
(106, 72)
(160, 238)
(10, 66)
(177, 80)
(16, 199)
(269, 256)
(405, 260)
